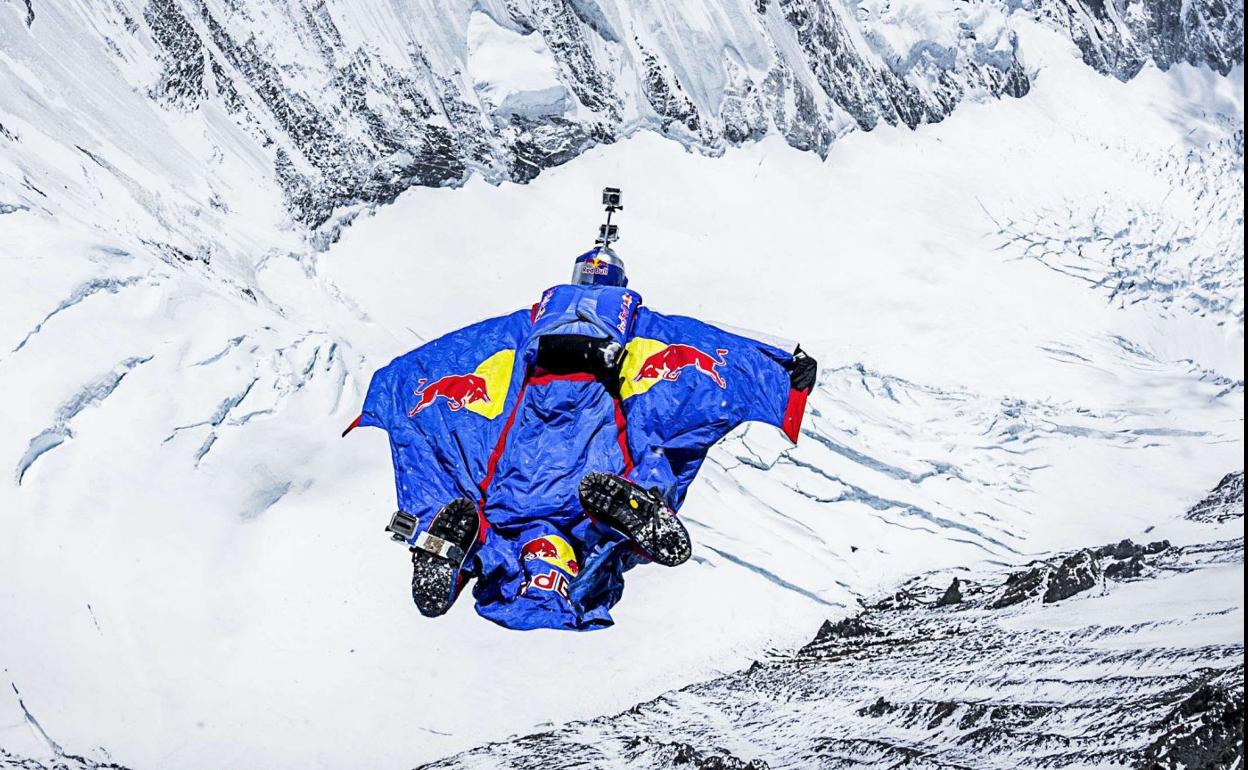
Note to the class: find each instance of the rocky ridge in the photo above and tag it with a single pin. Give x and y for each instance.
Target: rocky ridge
(1124, 655)
(347, 107)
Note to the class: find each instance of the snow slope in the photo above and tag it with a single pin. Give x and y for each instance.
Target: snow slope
(1141, 664)
(192, 568)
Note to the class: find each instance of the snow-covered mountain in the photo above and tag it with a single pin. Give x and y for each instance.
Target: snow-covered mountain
(1028, 309)
(340, 103)
(1125, 655)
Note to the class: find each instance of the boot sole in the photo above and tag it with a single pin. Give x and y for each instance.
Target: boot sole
(639, 515)
(436, 579)
(434, 583)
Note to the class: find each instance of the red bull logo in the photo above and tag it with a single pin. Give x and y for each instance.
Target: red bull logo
(552, 549)
(668, 363)
(483, 390)
(595, 266)
(459, 390)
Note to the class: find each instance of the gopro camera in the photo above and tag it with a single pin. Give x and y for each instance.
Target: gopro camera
(611, 197)
(402, 526)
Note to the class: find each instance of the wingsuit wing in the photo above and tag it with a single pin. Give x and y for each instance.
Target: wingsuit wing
(475, 414)
(443, 406)
(685, 384)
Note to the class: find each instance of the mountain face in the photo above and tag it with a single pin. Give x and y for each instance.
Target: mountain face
(1126, 655)
(1224, 503)
(1028, 313)
(1119, 38)
(348, 104)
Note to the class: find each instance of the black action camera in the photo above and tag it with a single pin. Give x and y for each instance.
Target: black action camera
(402, 526)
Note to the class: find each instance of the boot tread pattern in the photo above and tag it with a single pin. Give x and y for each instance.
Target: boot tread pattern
(641, 515)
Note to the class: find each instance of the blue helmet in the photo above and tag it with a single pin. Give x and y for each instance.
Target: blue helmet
(600, 266)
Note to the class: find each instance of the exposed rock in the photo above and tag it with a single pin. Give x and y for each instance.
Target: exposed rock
(666, 96)
(900, 600)
(1205, 730)
(981, 692)
(846, 628)
(952, 595)
(181, 84)
(345, 122)
(1077, 572)
(1021, 586)
(1125, 560)
(685, 755)
(1118, 37)
(880, 708)
(62, 761)
(1224, 503)
(1125, 569)
(940, 712)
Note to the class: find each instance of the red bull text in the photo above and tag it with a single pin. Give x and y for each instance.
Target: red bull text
(553, 550)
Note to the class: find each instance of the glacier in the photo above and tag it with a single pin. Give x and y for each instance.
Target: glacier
(1012, 234)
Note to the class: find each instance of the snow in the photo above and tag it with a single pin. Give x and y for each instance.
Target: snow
(192, 565)
(906, 682)
(514, 71)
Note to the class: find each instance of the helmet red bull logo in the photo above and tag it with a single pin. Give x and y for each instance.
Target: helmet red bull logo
(599, 267)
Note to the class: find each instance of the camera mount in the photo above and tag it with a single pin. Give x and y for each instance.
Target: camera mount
(609, 233)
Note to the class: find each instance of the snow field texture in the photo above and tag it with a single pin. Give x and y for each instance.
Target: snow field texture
(192, 567)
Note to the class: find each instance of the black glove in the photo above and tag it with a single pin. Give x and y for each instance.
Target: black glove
(802, 371)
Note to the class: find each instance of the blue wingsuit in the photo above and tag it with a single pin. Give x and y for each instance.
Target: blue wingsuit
(471, 415)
